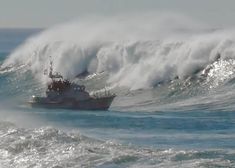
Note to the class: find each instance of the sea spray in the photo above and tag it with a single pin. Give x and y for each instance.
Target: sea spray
(135, 52)
(178, 123)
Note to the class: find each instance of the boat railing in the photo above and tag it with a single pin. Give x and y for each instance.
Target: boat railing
(102, 93)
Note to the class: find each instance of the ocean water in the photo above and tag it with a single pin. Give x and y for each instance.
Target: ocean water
(174, 105)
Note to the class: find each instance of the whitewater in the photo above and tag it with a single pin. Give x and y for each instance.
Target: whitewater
(174, 80)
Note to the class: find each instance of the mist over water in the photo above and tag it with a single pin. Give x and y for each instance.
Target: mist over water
(136, 51)
(174, 80)
(170, 56)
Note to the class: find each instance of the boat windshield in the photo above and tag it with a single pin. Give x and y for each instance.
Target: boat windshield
(59, 85)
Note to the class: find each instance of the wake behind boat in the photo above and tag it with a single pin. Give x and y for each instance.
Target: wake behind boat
(62, 93)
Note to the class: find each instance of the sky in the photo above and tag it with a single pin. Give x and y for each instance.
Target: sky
(46, 13)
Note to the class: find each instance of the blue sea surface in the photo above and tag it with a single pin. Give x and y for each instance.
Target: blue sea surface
(186, 128)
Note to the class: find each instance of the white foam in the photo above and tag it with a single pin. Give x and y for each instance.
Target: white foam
(137, 51)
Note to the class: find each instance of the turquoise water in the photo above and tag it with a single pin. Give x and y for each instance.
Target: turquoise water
(174, 124)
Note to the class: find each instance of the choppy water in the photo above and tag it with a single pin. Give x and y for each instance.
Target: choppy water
(167, 112)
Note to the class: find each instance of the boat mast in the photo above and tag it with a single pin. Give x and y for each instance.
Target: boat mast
(51, 68)
(51, 75)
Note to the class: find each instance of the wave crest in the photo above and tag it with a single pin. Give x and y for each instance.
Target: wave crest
(134, 52)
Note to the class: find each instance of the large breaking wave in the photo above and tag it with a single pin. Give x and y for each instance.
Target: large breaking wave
(136, 52)
(182, 62)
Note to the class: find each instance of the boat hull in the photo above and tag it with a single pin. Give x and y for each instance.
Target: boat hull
(102, 103)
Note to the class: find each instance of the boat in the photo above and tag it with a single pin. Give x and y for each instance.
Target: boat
(65, 94)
